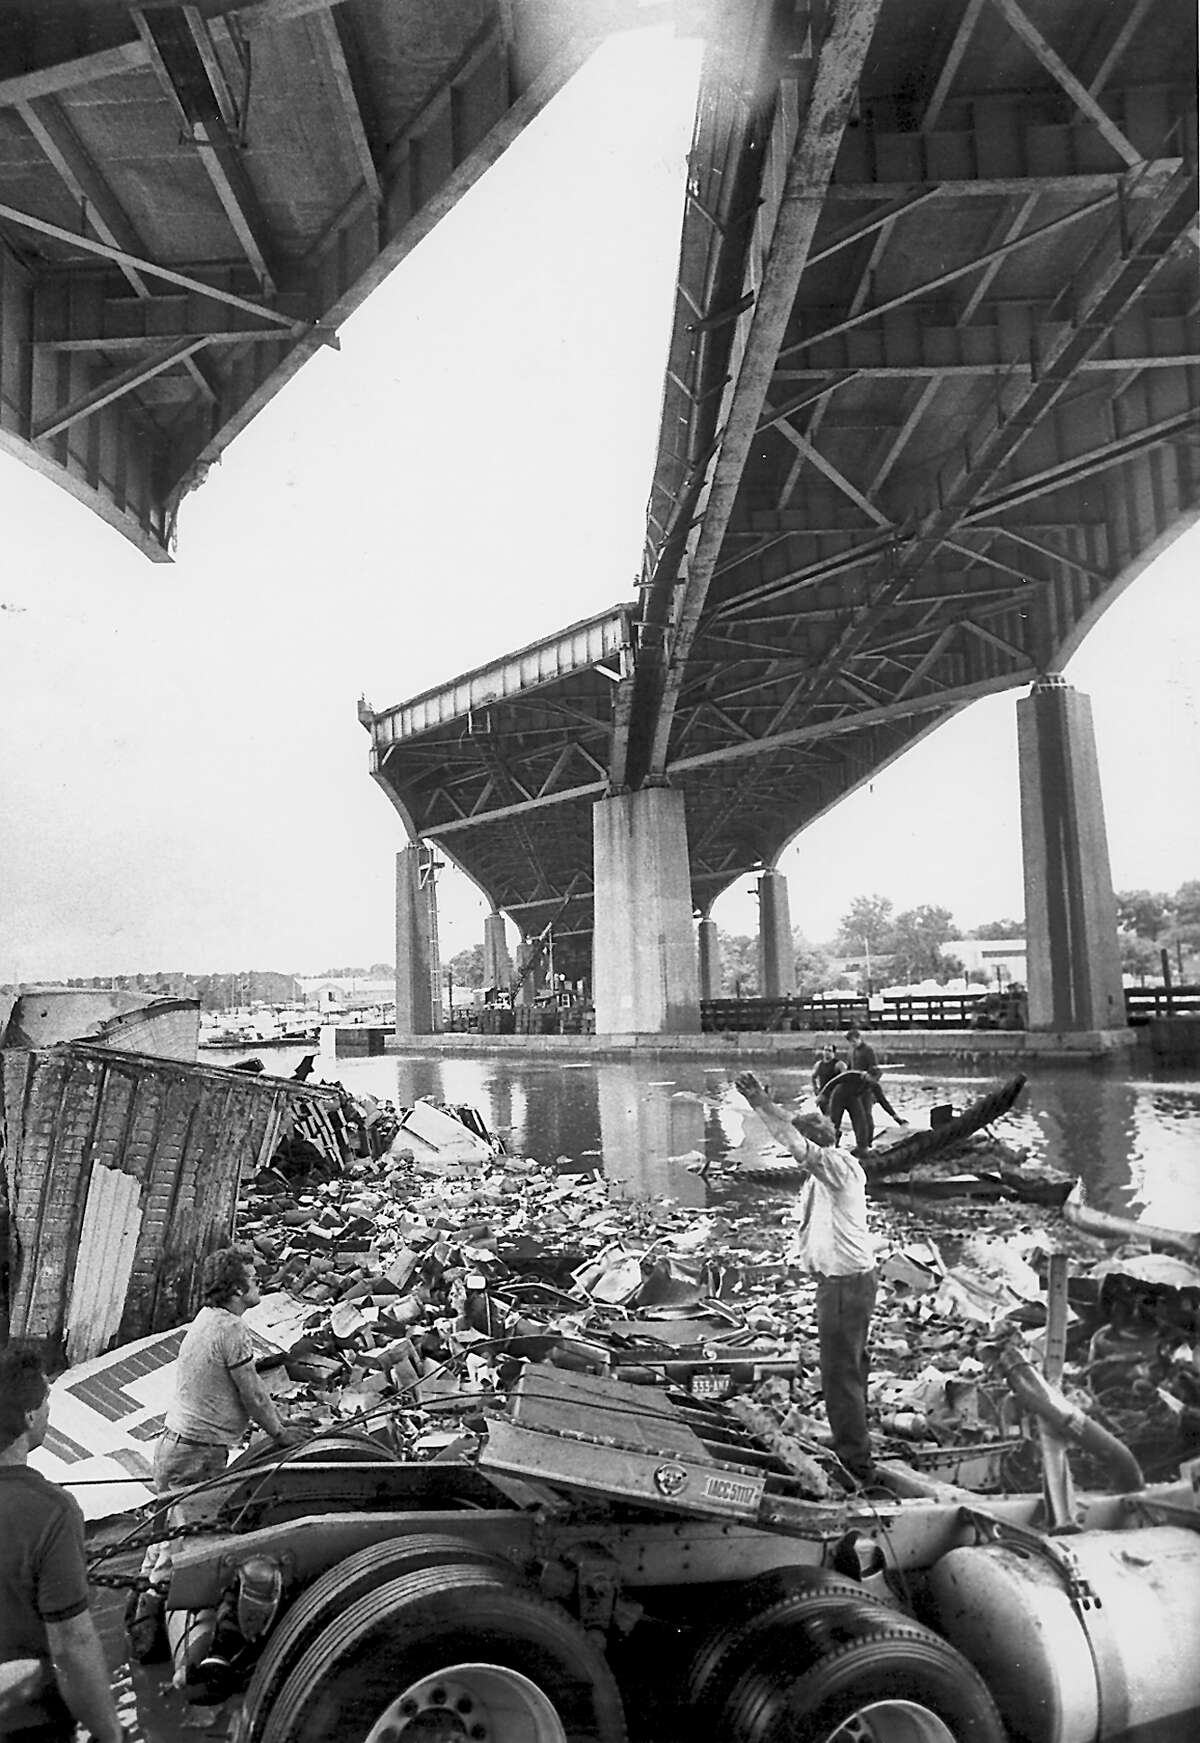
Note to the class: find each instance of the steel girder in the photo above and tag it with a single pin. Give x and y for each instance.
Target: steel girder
(194, 197)
(931, 401)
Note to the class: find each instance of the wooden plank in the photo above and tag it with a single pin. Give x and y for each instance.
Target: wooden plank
(104, 1260)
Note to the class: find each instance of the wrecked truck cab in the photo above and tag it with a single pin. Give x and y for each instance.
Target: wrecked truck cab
(609, 1562)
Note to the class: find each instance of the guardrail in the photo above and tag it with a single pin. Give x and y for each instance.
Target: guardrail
(910, 1011)
(981, 1010)
(1143, 1003)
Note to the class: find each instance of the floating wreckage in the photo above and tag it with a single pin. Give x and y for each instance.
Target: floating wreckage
(567, 1468)
(120, 1171)
(954, 1157)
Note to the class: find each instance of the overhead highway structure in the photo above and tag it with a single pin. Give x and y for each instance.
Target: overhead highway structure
(194, 197)
(931, 403)
(500, 769)
(951, 410)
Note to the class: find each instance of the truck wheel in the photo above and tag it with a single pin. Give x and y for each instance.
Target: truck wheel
(891, 1685)
(446, 1655)
(345, 1448)
(753, 1607)
(330, 1595)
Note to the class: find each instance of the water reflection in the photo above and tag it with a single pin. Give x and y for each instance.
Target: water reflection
(649, 1132)
(1134, 1139)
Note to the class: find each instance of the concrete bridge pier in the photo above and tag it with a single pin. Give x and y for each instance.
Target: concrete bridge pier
(776, 957)
(1070, 914)
(497, 964)
(531, 977)
(644, 970)
(418, 965)
(708, 955)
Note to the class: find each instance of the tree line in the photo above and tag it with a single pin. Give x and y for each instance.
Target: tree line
(1151, 922)
(901, 947)
(225, 992)
(906, 947)
(897, 948)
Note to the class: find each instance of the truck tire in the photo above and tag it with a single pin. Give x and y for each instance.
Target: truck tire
(763, 1605)
(329, 1596)
(498, 1660)
(892, 1685)
(348, 1447)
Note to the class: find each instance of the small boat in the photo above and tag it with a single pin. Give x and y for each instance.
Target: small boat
(924, 1143)
(989, 1185)
(911, 1145)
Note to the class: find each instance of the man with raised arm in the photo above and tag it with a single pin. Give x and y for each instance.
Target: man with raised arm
(836, 1248)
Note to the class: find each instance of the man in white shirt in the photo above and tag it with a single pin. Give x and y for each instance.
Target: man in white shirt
(836, 1248)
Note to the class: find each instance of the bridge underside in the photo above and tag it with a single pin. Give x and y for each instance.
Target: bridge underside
(931, 402)
(193, 197)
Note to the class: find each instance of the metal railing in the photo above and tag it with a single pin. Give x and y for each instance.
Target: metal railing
(980, 1010)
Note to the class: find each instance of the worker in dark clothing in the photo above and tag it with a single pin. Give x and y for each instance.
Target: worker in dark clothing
(827, 1065)
(855, 1093)
(860, 1055)
(52, 1669)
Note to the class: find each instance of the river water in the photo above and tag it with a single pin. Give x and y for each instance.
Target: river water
(1132, 1133)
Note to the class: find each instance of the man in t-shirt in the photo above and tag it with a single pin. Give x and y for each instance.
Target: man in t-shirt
(827, 1066)
(52, 1669)
(218, 1389)
(835, 1248)
(218, 1393)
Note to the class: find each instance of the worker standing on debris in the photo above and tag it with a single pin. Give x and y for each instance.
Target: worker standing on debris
(827, 1066)
(52, 1669)
(860, 1055)
(856, 1094)
(218, 1389)
(836, 1248)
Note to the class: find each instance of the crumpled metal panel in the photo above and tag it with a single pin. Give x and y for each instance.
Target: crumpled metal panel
(120, 1173)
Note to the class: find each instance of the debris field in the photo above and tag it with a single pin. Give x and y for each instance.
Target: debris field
(412, 1282)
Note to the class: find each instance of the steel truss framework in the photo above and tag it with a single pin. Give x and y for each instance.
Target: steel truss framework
(194, 196)
(931, 402)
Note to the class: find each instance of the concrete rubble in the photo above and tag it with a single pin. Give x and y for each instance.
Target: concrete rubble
(409, 1288)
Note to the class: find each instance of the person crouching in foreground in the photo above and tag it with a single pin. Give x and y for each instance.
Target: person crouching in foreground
(52, 1669)
(836, 1248)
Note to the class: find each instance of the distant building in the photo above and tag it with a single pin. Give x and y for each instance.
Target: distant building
(346, 992)
(1002, 960)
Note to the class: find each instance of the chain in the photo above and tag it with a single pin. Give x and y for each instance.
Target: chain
(122, 1582)
(139, 1582)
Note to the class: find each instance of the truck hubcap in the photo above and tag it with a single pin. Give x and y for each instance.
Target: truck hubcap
(470, 1703)
(892, 1722)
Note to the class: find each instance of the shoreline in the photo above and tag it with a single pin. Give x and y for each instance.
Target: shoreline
(985, 1046)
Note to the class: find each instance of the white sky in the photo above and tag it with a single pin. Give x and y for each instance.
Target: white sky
(183, 780)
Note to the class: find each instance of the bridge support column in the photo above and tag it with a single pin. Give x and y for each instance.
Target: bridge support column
(644, 951)
(418, 969)
(708, 950)
(776, 956)
(497, 964)
(531, 972)
(1070, 914)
